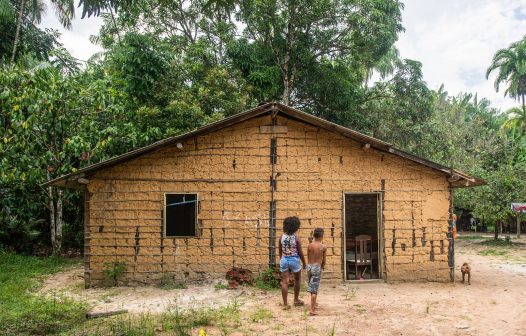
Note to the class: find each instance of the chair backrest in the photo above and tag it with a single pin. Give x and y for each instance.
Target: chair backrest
(363, 247)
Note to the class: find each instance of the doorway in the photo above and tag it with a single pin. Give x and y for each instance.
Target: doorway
(362, 232)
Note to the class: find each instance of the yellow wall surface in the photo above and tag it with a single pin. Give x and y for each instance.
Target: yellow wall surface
(230, 170)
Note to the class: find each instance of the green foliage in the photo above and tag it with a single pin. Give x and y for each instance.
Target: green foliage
(499, 242)
(511, 65)
(220, 285)
(182, 322)
(113, 271)
(21, 311)
(172, 66)
(267, 280)
(168, 282)
(262, 315)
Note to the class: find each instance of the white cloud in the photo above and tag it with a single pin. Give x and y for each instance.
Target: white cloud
(456, 40)
(75, 40)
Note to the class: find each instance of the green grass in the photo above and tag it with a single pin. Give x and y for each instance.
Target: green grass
(493, 252)
(360, 308)
(262, 315)
(22, 312)
(460, 237)
(499, 242)
(168, 282)
(267, 280)
(500, 247)
(220, 285)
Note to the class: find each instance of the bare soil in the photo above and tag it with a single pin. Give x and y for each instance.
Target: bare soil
(494, 304)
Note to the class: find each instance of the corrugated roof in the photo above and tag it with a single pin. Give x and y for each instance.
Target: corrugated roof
(457, 178)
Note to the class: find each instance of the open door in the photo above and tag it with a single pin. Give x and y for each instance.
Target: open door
(363, 236)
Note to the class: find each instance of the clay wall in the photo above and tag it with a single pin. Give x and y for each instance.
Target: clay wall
(231, 172)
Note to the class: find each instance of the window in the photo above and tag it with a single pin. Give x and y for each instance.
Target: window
(180, 215)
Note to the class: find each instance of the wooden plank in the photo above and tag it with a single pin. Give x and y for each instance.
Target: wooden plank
(92, 315)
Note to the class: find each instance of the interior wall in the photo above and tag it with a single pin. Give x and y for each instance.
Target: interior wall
(361, 215)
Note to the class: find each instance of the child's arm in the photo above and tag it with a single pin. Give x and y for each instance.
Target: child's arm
(280, 249)
(323, 260)
(300, 253)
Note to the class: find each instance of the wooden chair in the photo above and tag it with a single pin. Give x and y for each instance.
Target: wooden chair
(363, 247)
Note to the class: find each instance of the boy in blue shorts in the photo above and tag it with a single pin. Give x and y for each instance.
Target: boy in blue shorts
(290, 254)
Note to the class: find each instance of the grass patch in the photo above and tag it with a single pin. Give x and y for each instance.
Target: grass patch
(492, 252)
(220, 285)
(499, 242)
(500, 247)
(267, 280)
(262, 315)
(183, 322)
(459, 237)
(350, 294)
(360, 308)
(23, 312)
(172, 322)
(168, 282)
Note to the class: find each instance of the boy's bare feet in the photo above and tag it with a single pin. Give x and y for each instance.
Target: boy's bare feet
(299, 303)
(286, 307)
(313, 313)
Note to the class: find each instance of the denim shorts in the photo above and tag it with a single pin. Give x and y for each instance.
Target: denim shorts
(314, 277)
(292, 264)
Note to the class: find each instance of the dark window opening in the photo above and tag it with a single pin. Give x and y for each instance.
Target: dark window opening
(180, 215)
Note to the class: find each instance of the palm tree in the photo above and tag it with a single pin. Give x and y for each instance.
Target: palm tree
(516, 121)
(31, 11)
(511, 65)
(386, 65)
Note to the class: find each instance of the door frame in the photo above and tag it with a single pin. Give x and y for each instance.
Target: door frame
(379, 228)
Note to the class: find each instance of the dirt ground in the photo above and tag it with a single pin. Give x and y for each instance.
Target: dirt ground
(494, 304)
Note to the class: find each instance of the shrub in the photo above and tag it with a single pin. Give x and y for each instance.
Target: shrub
(268, 279)
(113, 271)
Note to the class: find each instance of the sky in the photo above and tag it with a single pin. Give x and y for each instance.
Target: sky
(454, 39)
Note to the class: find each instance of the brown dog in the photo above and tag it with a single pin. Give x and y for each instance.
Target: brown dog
(466, 269)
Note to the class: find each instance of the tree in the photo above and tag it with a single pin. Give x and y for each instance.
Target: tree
(29, 12)
(300, 34)
(516, 121)
(511, 65)
(51, 124)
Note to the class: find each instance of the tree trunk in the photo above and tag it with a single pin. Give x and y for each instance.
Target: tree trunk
(52, 226)
(286, 89)
(17, 33)
(497, 230)
(58, 223)
(55, 217)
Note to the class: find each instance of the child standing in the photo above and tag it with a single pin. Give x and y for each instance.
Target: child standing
(290, 254)
(316, 252)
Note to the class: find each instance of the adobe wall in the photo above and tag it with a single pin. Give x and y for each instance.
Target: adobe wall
(317, 166)
(231, 170)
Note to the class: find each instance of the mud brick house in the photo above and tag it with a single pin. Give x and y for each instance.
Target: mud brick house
(197, 204)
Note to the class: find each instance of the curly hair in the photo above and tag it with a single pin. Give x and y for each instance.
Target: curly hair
(318, 233)
(291, 225)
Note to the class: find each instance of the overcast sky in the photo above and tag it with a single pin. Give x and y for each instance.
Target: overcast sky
(454, 39)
